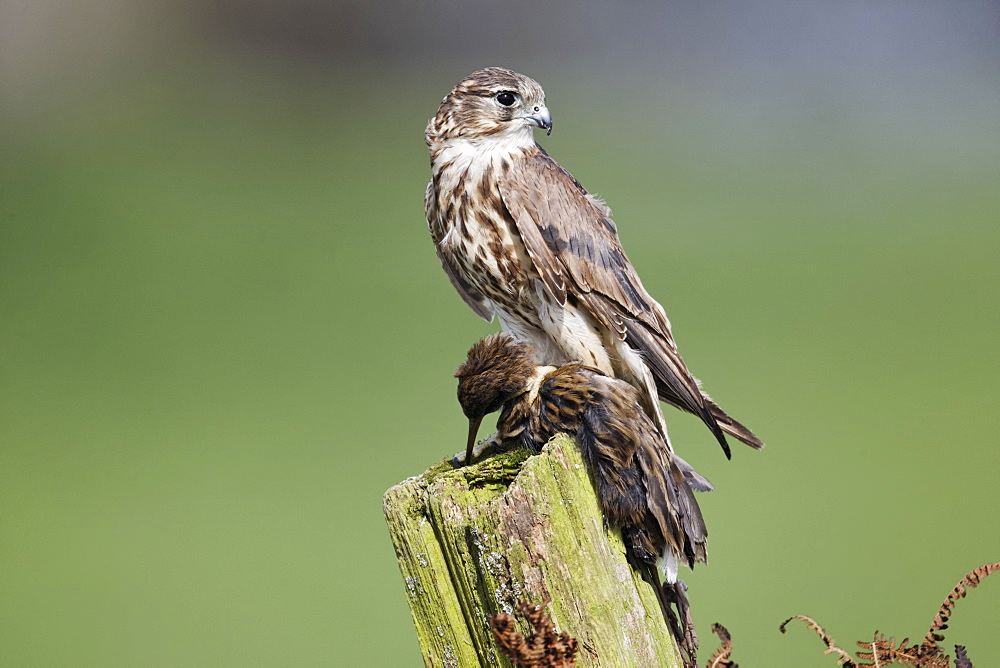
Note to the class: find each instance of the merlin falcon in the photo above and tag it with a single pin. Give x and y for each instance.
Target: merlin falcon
(521, 240)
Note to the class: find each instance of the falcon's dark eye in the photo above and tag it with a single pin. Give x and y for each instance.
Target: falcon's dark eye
(506, 98)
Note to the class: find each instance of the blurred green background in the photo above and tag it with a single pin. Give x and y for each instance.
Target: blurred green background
(225, 332)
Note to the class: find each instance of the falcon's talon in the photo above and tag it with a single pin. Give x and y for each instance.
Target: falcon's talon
(493, 442)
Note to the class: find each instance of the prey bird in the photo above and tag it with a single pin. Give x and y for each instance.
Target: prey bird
(643, 488)
(522, 240)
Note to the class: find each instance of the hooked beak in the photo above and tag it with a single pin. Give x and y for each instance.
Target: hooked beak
(542, 119)
(473, 432)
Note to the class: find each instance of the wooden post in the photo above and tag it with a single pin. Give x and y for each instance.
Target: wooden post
(475, 541)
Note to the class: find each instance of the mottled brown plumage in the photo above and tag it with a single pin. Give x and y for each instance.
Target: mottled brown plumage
(521, 239)
(643, 488)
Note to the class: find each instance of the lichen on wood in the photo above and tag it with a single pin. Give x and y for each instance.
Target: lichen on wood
(475, 541)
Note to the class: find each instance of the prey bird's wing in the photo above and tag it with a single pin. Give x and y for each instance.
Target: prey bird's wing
(570, 237)
(672, 503)
(476, 301)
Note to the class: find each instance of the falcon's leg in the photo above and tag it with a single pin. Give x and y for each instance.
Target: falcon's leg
(567, 333)
(632, 369)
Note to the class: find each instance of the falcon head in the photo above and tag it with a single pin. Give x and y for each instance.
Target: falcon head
(492, 102)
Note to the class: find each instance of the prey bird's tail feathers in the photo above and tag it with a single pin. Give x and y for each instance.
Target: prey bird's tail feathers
(677, 511)
(642, 486)
(695, 480)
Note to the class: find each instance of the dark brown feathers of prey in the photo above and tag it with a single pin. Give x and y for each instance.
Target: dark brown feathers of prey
(642, 487)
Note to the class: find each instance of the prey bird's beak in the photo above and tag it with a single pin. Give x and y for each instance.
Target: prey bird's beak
(473, 432)
(542, 119)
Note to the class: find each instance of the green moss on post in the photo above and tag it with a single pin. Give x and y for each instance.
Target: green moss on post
(474, 541)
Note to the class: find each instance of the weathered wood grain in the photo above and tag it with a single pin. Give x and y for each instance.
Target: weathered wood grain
(474, 541)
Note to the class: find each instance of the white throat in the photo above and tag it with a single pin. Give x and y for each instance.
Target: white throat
(461, 153)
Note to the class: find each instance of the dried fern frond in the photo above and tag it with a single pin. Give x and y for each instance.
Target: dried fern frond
(887, 652)
(883, 652)
(971, 580)
(545, 647)
(831, 644)
(720, 658)
(961, 658)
